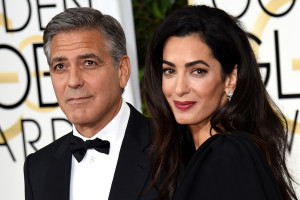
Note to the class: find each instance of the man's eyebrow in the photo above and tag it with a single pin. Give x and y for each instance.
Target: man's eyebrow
(196, 62)
(57, 59)
(90, 55)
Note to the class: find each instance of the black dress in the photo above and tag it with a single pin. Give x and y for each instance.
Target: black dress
(228, 167)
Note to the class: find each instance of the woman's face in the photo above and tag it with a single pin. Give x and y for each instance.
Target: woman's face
(192, 80)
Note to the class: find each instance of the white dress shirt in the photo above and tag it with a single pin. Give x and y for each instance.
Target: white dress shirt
(91, 179)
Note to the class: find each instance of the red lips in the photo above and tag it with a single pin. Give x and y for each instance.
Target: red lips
(184, 105)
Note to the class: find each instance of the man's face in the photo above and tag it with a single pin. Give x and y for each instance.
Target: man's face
(88, 88)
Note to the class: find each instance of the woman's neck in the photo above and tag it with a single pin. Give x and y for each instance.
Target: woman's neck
(201, 133)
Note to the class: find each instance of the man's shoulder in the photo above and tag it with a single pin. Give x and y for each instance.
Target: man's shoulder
(139, 128)
(136, 115)
(138, 121)
(51, 148)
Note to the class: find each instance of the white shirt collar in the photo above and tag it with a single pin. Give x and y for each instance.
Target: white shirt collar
(114, 130)
(98, 167)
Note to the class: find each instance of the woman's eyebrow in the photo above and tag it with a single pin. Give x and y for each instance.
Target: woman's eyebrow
(168, 63)
(187, 64)
(196, 62)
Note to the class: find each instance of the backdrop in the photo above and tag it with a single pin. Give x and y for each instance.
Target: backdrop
(29, 116)
(274, 25)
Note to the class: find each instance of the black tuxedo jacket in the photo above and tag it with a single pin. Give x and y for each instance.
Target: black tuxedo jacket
(47, 172)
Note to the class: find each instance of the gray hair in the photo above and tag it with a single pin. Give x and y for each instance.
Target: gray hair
(74, 19)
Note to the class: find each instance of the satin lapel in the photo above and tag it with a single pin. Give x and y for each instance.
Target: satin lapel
(133, 168)
(60, 173)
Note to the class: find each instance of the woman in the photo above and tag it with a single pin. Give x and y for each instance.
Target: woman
(218, 134)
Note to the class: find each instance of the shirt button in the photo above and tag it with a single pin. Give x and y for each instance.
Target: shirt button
(92, 159)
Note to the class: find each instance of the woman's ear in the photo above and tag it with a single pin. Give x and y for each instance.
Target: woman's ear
(231, 80)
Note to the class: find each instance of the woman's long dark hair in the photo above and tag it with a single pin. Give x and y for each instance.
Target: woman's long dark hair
(250, 110)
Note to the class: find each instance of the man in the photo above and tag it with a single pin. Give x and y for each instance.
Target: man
(89, 67)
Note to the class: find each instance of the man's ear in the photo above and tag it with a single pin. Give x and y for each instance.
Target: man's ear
(231, 80)
(124, 70)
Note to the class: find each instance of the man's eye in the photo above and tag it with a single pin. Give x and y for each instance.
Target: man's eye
(89, 62)
(58, 67)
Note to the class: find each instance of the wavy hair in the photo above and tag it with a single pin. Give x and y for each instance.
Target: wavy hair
(250, 110)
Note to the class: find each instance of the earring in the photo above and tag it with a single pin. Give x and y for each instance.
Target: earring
(229, 96)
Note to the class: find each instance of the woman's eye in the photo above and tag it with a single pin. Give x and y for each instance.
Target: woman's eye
(168, 71)
(199, 71)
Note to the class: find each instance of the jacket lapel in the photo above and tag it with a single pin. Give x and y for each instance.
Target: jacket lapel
(133, 167)
(60, 173)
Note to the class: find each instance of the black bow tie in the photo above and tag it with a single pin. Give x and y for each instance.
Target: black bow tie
(79, 147)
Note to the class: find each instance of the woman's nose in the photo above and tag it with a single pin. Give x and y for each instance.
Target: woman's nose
(182, 86)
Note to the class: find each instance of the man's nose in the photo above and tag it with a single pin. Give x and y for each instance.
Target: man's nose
(75, 77)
